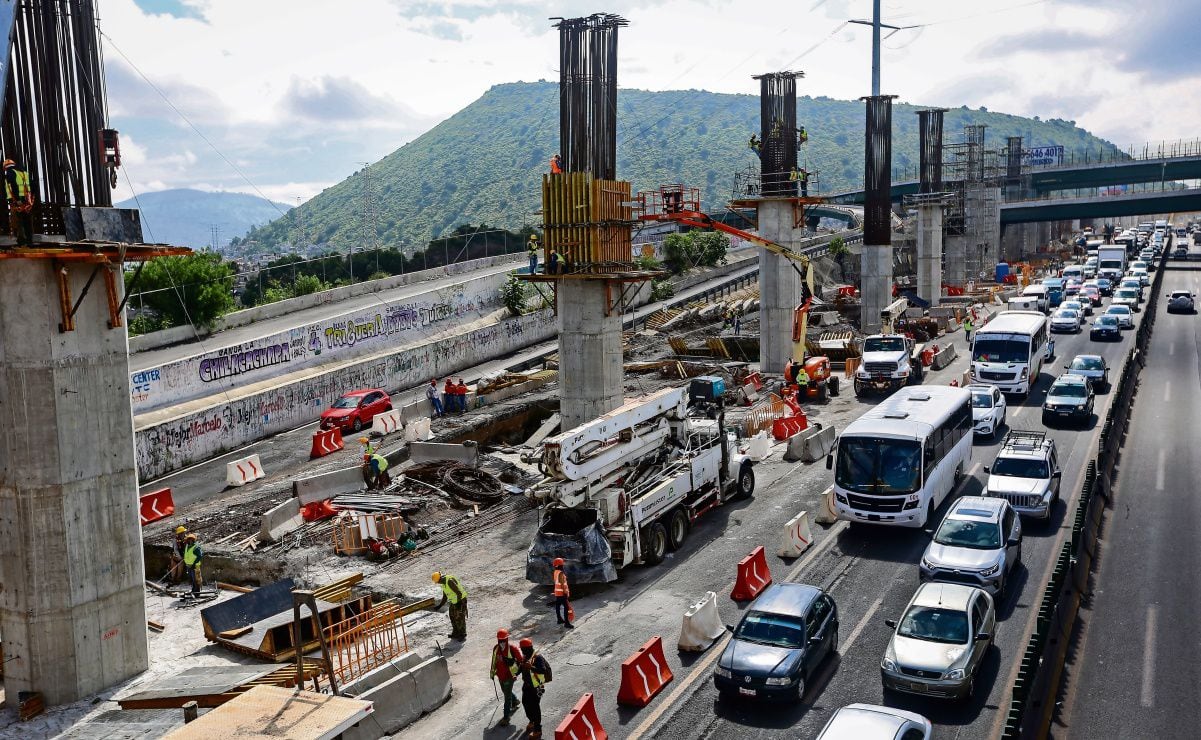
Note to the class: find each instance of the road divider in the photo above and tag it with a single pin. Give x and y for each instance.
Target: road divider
(581, 723)
(701, 626)
(753, 576)
(644, 674)
(243, 470)
(385, 423)
(418, 430)
(810, 445)
(944, 356)
(326, 441)
(826, 515)
(156, 505)
(327, 485)
(797, 536)
(280, 520)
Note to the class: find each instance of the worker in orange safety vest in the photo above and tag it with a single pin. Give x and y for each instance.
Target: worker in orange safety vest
(556, 165)
(562, 594)
(504, 669)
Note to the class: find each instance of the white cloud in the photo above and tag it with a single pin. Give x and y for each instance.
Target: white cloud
(300, 92)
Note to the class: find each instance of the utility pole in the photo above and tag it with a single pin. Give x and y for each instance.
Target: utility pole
(876, 26)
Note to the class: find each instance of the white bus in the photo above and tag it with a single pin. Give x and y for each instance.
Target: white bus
(895, 464)
(1009, 351)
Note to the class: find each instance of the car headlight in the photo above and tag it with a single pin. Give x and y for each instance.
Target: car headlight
(782, 681)
(927, 564)
(888, 664)
(723, 672)
(954, 674)
(861, 373)
(991, 571)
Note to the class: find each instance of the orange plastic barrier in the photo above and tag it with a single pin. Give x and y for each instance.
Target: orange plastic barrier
(325, 442)
(156, 505)
(753, 576)
(581, 723)
(784, 428)
(644, 674)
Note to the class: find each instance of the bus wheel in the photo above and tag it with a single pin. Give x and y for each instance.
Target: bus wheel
(930, 514)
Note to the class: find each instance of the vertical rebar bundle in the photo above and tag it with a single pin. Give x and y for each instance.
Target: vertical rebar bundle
(1013, 160)
(877, 172)
(778, 134)
(930, 149)
(588, 94)
(55, 104)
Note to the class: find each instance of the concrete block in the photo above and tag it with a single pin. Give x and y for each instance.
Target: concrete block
(945, 356)
(396, 704)
(381, 675)
(810, 445)
(243, 470)
(280, 520)
(467, 453)
(433, 682)
(327, 485)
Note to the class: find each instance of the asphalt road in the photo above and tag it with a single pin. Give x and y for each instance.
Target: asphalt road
(871, 574)
(1138, 659)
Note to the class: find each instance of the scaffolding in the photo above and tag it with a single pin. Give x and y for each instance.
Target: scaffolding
(973, 175)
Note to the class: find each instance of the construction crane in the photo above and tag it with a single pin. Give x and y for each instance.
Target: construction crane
(682, 205)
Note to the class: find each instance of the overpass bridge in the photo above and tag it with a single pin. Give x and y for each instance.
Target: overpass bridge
(1181, 200)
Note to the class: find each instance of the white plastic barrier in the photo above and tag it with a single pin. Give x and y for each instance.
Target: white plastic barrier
(386, 423)
(826, 515)
(759, 447)
(424, 429)
(243, 470)
(701, 625)
(797, 536)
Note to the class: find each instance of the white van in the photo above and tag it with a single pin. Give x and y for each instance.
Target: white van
(1039, 293)
(1022, 303)
(1073, 271)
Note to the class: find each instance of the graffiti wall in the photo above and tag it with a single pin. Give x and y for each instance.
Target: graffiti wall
(344, 337)
(189, 439)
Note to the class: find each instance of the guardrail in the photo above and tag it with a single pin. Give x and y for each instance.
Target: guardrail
(1032, 702)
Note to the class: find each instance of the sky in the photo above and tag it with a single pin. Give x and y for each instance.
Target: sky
(283, 98)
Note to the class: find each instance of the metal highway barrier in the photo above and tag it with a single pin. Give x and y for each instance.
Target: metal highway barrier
(1032, 706)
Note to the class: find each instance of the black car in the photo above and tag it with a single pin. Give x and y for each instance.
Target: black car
(1180, 301)
(1106, 327)
(778, 644)
(1070, 397)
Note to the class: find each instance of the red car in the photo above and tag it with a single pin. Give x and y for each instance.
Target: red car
(356, 409)
(1093, 293)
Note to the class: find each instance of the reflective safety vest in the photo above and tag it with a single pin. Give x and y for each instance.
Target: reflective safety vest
(506, 659)
(451, 596)
(537, 679)
(381, 462)
(22, 185)
(561, 588)
(191, 554)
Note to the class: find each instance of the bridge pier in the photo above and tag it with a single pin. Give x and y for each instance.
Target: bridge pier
(929, 251)
(779, 287)
(954, 262)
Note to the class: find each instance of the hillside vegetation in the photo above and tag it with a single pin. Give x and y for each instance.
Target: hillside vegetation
(483, 164)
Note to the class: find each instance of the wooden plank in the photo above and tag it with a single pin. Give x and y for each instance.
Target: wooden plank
(271, 712)
(232, 587)
(157, 627)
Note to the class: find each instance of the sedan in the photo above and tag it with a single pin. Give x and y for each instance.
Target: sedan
(1105, 285)
(1072, 287)
(1123, 312)
(1092, 293)
(1092, 367)
(356, 409)
(1180, 301)
(778, 644)
(979, 541)
(1070, 397)
(1127, 297)
(1105, 327)
(940, 641)
(988, 409)
(1065, 319)
(1083, 307)
(872, 722)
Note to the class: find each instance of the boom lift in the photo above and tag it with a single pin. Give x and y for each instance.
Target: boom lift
(625, 488)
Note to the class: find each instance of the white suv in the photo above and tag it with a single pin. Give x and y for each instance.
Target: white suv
(978, 543)
(1026, 474)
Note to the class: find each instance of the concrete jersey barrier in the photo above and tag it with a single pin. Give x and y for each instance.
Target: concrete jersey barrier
(810, 445)
(243, 470)
(327, 485)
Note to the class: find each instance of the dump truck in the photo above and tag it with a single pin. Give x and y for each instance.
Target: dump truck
(626, 488)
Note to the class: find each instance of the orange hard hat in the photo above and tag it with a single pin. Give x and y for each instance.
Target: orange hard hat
(9, 163)
(526, 643)
(557, 562)
(502, 634)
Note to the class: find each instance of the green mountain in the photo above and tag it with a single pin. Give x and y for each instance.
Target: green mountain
(482, 165)
(186, 217)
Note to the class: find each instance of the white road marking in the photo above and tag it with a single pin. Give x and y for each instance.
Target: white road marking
(1159, 470)
(871, 613)
(1147, 697)
(1167, 391)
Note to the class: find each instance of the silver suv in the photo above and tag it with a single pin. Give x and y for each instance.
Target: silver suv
(978, 543)
(1026, 473)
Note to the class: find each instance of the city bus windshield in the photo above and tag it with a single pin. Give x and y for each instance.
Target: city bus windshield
(880, 466)
(987, 349)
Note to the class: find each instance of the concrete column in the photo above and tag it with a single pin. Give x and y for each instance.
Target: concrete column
(72, 606)
(779, 288)
(590, 361)
(929, 252)
(954, 263)
(875, 285)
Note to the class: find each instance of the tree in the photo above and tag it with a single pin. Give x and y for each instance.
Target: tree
(513, 293)
(191, 289)
(839, 250)
(695, 249)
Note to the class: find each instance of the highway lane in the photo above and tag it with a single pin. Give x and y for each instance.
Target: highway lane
(1137, 660)
(872, 574)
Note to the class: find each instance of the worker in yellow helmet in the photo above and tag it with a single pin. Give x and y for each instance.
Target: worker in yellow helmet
(20, 203)
(453, 591)
(177, 546)
(193, 555)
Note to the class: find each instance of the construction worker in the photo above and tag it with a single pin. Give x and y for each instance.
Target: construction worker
(556, 165)
(177, 547)
(802, 136)
(552, 262)
(461, 395)
(562, 594)
(450, 396)
(20, 203)
(504, 669)
(453, 591)
(377, 464)
(535, 674)
(531, 250)
(193, 556)
(967, 329)
(802, 380)
(431, 394)
(756, 145)
(368, 448)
